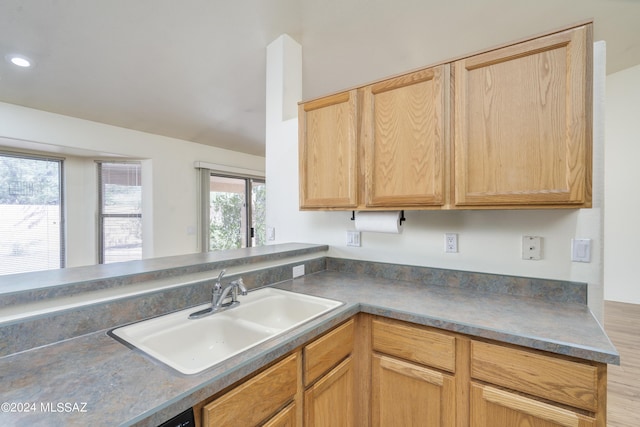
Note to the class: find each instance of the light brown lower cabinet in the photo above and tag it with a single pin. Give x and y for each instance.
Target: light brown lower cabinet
(493, 407)
(284, 418)
(519, 387)
(408, 394)
(376, 371)
(257, 399)
(329, 401)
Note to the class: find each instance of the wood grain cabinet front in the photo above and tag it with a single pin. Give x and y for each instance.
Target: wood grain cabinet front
(284, 418)
(408, 385)
(256, 400)
(325, 352)
(387, 151)
(527, 388)
(372, 370)
(522, 117)
(510, 128)
(412, 342)
(329, 378)
(408, 394)
(328, 152)
(329, 402)
(404, 139)
(494, 407)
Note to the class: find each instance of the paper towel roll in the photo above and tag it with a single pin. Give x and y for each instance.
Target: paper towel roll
(382, 222)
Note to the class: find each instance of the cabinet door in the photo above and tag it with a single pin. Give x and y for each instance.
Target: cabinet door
(522, 117)
(328, 152)
(406, 394)
(404, 140)
(492, 407)
(284, 418)
(325, 352)
(257, 399)
(545, 376)
(330, 401)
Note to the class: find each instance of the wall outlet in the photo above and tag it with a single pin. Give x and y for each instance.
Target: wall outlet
(298, 271)
(531, 247)
(450, 242)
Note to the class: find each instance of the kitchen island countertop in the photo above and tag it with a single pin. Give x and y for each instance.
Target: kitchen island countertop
(95, 380)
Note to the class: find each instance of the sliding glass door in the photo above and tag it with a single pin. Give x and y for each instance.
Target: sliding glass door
(236, 212)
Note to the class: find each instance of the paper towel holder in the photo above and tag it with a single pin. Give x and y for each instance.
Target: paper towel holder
(402, 218)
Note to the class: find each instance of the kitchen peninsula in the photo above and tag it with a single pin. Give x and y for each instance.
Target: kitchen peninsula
(111, 384)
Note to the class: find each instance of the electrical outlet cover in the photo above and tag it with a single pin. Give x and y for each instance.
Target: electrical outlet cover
(298, 271)
(531, 247)
(450, 242)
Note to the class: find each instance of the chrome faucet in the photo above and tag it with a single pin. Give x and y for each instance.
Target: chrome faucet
(223, 293)
(219, 294)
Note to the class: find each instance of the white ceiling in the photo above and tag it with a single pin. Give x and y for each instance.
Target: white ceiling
(195, 69)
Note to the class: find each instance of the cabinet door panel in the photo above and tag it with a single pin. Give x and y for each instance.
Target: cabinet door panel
(404, 134)
(263, 394)
(330, 401)
(563, 381)
(284, 418)
(523, 123)
(491, 407)
(327, 351)
(414, 343)
(406, 394)
(328, 152)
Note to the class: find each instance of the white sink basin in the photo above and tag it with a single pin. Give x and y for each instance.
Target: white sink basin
(193, 345)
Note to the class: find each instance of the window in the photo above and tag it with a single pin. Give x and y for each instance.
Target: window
(235, 208)
(31, 213)
(120, 212)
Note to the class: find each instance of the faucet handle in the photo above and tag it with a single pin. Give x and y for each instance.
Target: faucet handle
(240, 284)
(235, 285)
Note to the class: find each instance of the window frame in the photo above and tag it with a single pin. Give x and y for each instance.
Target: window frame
(61, 196)
(101, 215)
(205, 203)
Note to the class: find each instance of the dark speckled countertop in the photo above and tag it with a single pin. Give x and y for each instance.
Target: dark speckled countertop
(95, 380)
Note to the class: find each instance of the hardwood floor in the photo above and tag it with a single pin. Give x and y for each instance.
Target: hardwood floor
(622, 324)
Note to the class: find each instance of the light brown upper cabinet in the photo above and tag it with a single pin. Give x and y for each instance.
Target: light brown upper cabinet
(328, 152)
(510, 128)
(404, 140)
(402, 156)
(522, 123)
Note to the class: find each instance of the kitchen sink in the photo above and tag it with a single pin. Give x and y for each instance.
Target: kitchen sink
(193, 345)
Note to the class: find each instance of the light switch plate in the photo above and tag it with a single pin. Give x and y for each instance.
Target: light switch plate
(581, 250)
(271, 234)
(353, 238)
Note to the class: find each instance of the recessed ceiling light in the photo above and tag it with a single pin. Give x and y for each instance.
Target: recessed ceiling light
(19, 60)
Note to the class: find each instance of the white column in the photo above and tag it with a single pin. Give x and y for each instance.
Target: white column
(284, 91)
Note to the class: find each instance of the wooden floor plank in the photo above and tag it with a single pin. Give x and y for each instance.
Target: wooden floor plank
(622, 324)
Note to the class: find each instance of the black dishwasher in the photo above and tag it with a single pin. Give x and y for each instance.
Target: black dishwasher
(184, 419)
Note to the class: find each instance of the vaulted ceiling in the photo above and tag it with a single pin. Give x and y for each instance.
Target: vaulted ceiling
(195, 69)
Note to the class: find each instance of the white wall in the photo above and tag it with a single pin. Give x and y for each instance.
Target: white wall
(169, 177)
(622, 179)
(489, 241)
